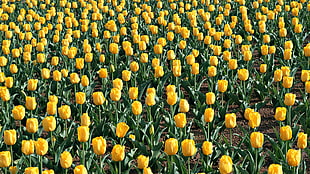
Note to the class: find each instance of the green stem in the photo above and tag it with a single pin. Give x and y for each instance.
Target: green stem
(120, 167)
(230, 132)
(256, 158)
(66, 129)
(99, 113)
(83, 146)
(41, 165)
(289, 116)
(208, 137)
(30, 160)
(189, 165)
(12, 159)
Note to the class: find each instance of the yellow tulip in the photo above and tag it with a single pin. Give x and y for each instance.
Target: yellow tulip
(302, 140)
(142, 161)
(41, 146)
(49, 123)
(171, 146)
(18, 112)
(136, 108)
(230, 120)
(225, 164)
(207, 148)
(83, 133)
(275, 169)
(66, 159)
(286, 133)
(9, 137)
(121, 129)
(257, 139)
(293, 157)
(64, 111)
(99, 145)
(188, 147)
(118, 152)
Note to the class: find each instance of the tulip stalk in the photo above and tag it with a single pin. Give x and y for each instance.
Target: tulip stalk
(289, 116)
(189, 165)
(120, 167)
(256, 160)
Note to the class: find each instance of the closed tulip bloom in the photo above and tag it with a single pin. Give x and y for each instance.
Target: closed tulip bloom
(158, 49)
(287, 54)
(80, 169)
(286, 133)
(171, 146)
(133, 93)
(66, 159)
(289, 99)
(155, 62)
(195, 68)
(51, 108)
(150, 99)
(41, 146)
(98, 98)
(305, 75)
(210, 98)
(121, 129)
(254, 119)
(225, 165)
(264, 50)
(126, 75)
(280, 114)
(85, 120)
(232, 64)
(134, 66)
(293, 157)
(172, 98)
(103, 73)
(13, 169)
(115, 94)
(209, 115)
(278, 74)
(80, 98)
(180, 120)
(32, 125)
(142, 161)
(64, 111)
(9, 81)
(84, 81)
(190, 59)
(99, 145)
(243, 74)
(83, 133)
(158, 71)
(183, 105)
(257, 139)
(118, 152)
(287, 82)
(118, 83)
(31, 103)
(307, 87)
(222, 85)
(263, 68)
(212, 71)
(307, 49)
(275, 169)
(302, 140)
(136, 108)
(57, 76)
(147, 170)
(74, 78)
(13, 68)
(48, 172)
(113, 48)
(9, 137)
(285, 70)
(32, 170)
(18, 112)
(182, 44)
(207, 148)
(247, 113)
(188, 147)
(49, 123)
(28, 147)
(230, 120)
(5, 159)
(79, 63)
(53, 98)
(32, 84)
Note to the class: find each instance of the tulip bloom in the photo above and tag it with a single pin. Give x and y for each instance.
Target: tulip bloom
(74, 78)
(150, 99)
(302, 140)
(263, 68)
(99, 145)
(293, 157)
(31, 103)
(65, 159)
(98, 98)
(80, 98)
(257, 139)
(85, 120)
(133, 93)
(188, 147)
(286, 133)
(243, 74)
(48, 171)
(49, 123)
(142, 161)
(207, 148)
(83, 133)
(180, 120)
(126, 75)
(64, 112)
(222, 85)
(230, 120)
(9, 137)
(32, 170)
(209, 115)
(147, 170)
(118, 152)
(254, 119)
(287, 82)
(32, 84)
(80, 169)
(225, 165)
(41, 146)
(51, 108)
(171, 146)
(275, 169)
(19, 112)
(172, 98)
(121, 129)
(28, 147)
(280, 114)
(136, 108)
(210, 98)
(247, 113)
(183, 105)
(115, 94)
(5, 159)
(32, 125)
(289, 99)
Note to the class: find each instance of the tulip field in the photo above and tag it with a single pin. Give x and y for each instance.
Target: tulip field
(145, 86)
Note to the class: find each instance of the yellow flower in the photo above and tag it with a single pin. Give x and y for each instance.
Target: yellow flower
(19, 112)
(28, 147)
(142, 161)
(289, 99)
(32, 125)
(118, 83)
(80, 169)
(210, 98)
(225, 165)
(74, 78)
(293, 157)
(230, 120)
(222, 85)
(180, 120)
(172, 98)
(136, 108)
(183, 105)
(133, 93)
(64, 111)
(98, 98)
(118, 152)
(188, 147)
(257, 139)
(9, 137)
(103, 73)
(286, 133)
(80, 98)
(32, 170)
(171, 146)
(280, 114)
(83, 133)
(275, 169)
(99, 145)
(41, 146)
(302, 140)
(85, 120)
(121, 129)
(49, 123)
(66, 159)
(115, 94)
(126, 75)
(254, 119)
(243, 74)
(207, 148)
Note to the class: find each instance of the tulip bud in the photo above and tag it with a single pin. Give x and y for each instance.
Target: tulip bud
(275, 169)
(13, 68)
(32, 84)
(18, 112)
(5, 94)
(230, 120)
(79, 63)
(51, 108)
(208, 115)
(64, 111)
(142, 161)
(9, 81)
(180, 120)
(243, 74)
(183, 105)
(210, 98)
(9, 137)
(195, 68)
(118, 152)
(286, 133)
(285, 70)
(171, 146)
(134, 66)
(80, 169)
(121, 129)
(289, 99)
(147, 170)
(115, 94)
(99, 145)
(280, 114)
(98, 98)
(32, 125)
(232, 64)
(65, 159)
(225, 165)
(207, 148)
(80, 97)
(222, 85)
(113, 48)
(32, 170)
(257, 139)
(56, 76)
(302, 140)
(159, 71)
(305, 75)
(41, 146)
(118, 83)
(254, 119)
(83, 133)
(28, 147)
(49, 123)
(293, 157)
